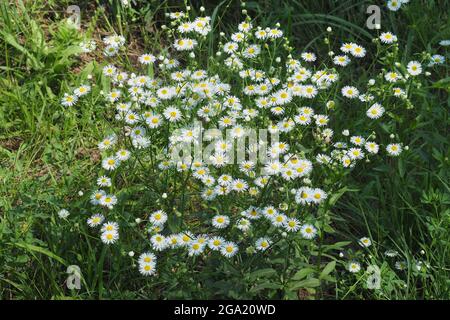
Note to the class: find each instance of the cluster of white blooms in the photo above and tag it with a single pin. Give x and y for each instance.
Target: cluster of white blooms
(88, 46)
(70, 99)
(248, 87)
(113, 44)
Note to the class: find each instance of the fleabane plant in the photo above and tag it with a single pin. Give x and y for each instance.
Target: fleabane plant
(231, 155)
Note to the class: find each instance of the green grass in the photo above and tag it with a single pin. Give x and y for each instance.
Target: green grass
(46, 155)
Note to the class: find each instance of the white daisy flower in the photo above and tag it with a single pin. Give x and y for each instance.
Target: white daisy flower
(350, 92)
(392, 76)
(304, 195)
(371, 147)
(108, 201)
(394, 149)
(365, 242)
(123, 154)
(308, 56)
(220, 221)
(172, 114)
(292, 225)
(110, 226)
(354, 267)
(82, 90)
(318, 195)
(185, 27)
(347, 47)
(230, 47)
(321, 120)
(262, 244)
(388, 37)
(269, 212)
(252, 51)
(245, 26)
(437, 59)
(147, 58)
(358, 51)
(147, 269)
(109, 70)
(158, 218)
(96, 196)
(110, 163)
(109, 237)
(195, 248)
(394, 5)
(95, 220)
(357, 140)
(375, 111)
(215, 243)
(185, 44)
(229, 249)
(308, 231)
(69, 100)
(414, 68)
(278, 220)
(158, 242)
(104, 181)
(341, 60)
(355, 153)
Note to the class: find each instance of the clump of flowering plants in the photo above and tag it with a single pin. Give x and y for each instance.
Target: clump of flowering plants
(230, 164)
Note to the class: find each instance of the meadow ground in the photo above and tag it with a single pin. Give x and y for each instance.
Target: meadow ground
(49, 158)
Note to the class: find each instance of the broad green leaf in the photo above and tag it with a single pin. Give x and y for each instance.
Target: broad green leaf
(328, 269)
(303, 273)
(307, 283)
(33, 248)
(262, 273)
(266, 285)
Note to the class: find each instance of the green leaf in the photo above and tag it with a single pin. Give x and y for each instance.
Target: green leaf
(442, 84)
(70, 51)
(33, 248)
(328, 269)
(266, 285)
(262, 273)
(303, 273)
(337, 245)
(11, 40)
(328, 229)
(336, 195)
(307, 283)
